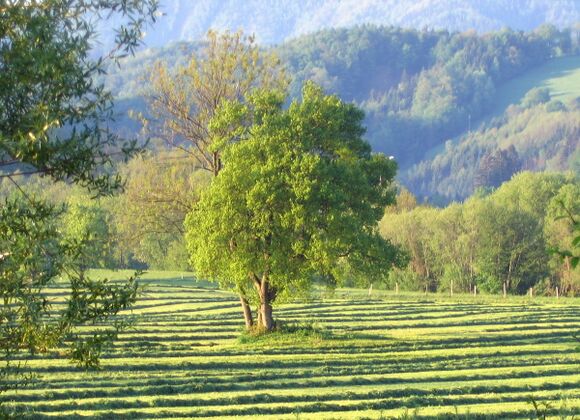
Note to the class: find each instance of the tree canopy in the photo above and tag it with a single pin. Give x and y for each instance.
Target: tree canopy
(54, 116)
(184, 100)
(299, 198)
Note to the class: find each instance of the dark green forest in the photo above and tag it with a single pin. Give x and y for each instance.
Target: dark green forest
(420, 88)
(275, 22)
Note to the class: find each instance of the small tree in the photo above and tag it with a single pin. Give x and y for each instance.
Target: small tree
(184, 100)
(299, 198)
(536, 96)
(510, 246)
(160, 190)
(89, 222)
(497, 167)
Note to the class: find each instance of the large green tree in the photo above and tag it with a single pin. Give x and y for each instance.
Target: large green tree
(299, 198)
(54, 121)
(184, 100)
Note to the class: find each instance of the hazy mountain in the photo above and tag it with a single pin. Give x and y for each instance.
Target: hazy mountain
(275, 21)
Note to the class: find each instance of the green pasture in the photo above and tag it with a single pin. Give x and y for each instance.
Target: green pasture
(560, 75)
(344, 355)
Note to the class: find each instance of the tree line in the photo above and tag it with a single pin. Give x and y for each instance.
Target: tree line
(507, 235)
(503, 238)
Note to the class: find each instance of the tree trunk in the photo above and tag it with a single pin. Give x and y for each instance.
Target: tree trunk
(247, 312)
(267, 295)
(217, 164)
(259, 317)
(267, 319)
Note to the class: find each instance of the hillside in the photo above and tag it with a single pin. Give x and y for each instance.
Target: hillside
(544, 136)
(418, 88)
(560, 75)
(274, 22)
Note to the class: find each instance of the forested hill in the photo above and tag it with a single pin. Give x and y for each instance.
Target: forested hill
(418, 88)
(539, 130)
(275, 21)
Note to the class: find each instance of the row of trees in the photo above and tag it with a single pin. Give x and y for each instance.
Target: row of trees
(504, 238)
(507, 236)
(140, 227)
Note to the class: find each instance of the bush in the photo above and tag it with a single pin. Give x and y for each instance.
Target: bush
(536, 96)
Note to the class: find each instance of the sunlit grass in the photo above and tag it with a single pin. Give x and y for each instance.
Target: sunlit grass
(336, 355)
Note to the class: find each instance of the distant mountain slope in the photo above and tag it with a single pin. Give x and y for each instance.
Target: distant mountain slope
(419, 89)
(560, 75)
(531, 136)
(275, 21)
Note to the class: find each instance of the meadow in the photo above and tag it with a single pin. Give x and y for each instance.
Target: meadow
(560, 75)
(342, 354)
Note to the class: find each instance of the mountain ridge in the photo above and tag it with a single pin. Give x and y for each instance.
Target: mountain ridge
(276, 21)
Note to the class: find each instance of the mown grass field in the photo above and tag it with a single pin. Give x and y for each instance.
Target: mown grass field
(388, 356)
